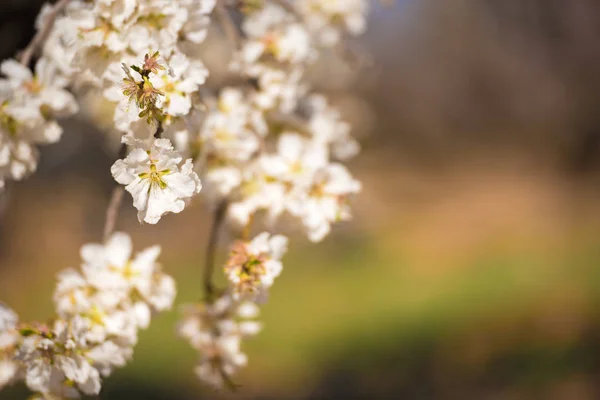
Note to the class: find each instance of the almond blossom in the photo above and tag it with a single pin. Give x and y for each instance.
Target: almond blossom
(253, 266)
(156, 178)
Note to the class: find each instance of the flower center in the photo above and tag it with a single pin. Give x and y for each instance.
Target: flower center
(7, 122)
(155, 176)
(246, 269)
(33, 86)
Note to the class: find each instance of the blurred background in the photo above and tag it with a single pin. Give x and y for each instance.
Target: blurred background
(472, 267)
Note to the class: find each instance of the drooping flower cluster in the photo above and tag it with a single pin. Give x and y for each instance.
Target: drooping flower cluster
(55, 360)
(269, 152)
(99, 312)
(215, 330)
(115, 292)
(272, 151)
(9, 339)
(30, 103)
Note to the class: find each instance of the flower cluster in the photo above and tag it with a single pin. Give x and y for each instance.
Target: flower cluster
(55, 360)
(30, 103)
(267, 152)
(103, 36)
(99, 312)
(9, 339)
(329, 20)
(216, 329)
(270, 150)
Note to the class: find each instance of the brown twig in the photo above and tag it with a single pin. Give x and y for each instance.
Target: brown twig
(159, 130)
(227, 24)
(41, 35)
(211, 247)
(288, 7)
(112, 211)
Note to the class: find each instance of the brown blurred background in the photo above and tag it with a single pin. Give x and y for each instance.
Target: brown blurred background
(472, 267)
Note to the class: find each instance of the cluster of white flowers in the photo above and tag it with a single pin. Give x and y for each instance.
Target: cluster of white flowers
(328, 20)
(99, 312)
(271, 147)
(9, 339)
(29, 105)
(216, 329)
(269, 152)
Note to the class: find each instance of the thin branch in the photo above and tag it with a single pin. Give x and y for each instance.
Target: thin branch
(352, 57)
(40, 36)
(227, 24)
(288, 7)
(112, 211)
(211, 247)
(291, 121)
(159, 130)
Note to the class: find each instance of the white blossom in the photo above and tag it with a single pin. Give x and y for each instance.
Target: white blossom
(327, 127)
(259, 191)
(253, 266)
(177, 84)
(156, 178)
(329, 19)
(325, 202)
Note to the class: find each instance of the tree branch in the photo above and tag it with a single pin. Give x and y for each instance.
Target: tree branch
(159, 130)
(40, 36)
(112, 211)
(229, 27)
(211, 247)
(288, 7)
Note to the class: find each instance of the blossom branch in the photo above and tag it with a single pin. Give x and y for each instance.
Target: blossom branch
(41, 35)
(113, 211)
(115, 202)
(211, 247)
(288, 7)
(227, 24)
(274, 150)
(159, 130)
